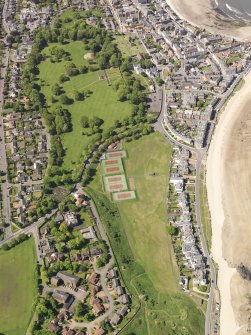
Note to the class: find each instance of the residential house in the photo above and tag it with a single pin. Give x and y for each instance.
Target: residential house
(69, 279)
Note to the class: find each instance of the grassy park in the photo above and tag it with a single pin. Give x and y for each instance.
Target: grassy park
(17, 287)
(102, 101)
(137, 231)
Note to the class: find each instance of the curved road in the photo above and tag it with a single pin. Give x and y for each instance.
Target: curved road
(90, 325)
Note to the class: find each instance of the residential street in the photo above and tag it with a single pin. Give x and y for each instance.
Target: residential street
(3, 159)
(90, 325)
(32, 229)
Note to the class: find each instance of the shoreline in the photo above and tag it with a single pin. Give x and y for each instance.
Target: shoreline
(227, 205)
(204, 16)
(220, 206)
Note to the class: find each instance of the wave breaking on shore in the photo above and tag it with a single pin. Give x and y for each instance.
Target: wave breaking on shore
(214, 16)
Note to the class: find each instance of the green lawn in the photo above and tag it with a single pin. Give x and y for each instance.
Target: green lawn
(143, 248)
(145, 219)
(17, 287)
(204, 210)
(102, 102)
(126, 47)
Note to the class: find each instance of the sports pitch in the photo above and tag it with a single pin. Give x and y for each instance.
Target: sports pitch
(127, 195)
(115, 154)
(115, 183)
(112, 166)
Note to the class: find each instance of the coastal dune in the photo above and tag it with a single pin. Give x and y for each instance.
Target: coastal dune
(229, 197)
(201, 14)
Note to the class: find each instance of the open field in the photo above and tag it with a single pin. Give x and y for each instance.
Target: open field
(102, 101)
(17, 287)
(142, 247)
(145, 219)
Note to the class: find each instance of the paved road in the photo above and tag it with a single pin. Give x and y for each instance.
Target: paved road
(4, 21)
(204, 246)
(35, 233)
(3, 158)
(158, 126)
(32, 229)
(26, 183)
(102, 272)
(90, 325)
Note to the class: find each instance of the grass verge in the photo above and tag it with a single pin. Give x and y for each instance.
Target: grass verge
(204, 210)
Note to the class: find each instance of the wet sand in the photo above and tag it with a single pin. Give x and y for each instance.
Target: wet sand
(229, 196)
(201, 14)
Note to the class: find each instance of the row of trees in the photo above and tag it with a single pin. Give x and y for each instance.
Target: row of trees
(15, 242)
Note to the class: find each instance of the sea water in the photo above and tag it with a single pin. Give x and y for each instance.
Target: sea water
(236, 9)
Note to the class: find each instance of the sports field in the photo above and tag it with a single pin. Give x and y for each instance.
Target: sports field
(102, 102)
(120, 196)
(115, 183)
(112, 166)
(142, 246)
(115, 154)
(145, 219)
(17, 288)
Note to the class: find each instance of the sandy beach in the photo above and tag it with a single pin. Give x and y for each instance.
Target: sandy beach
(201, 14)
(229, 196)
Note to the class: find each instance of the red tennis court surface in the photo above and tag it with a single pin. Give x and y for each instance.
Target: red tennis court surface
(124, 196)
(112, 162)
(114, 179)
(115, 183)
(116, 154)
(113, 169)
(116, 187)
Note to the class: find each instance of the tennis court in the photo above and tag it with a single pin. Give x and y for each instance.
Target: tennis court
(115, 183)
(115, 154)
(127, 195)
(112, 166)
